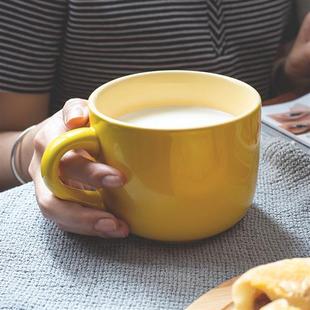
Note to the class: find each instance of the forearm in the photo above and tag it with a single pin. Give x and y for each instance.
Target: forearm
(17, 112)
(293, 70)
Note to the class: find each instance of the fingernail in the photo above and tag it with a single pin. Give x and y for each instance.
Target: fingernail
(112, 181)
(105, 226)
(74, 113)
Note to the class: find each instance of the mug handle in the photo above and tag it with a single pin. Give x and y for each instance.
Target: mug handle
(81, 138)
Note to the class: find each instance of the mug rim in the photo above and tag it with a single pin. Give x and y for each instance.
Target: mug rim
(119, 123)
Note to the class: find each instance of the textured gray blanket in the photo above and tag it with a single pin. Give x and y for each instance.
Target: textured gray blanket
(44, 268)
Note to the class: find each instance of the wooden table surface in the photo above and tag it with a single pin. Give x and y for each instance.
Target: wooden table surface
(282, 98)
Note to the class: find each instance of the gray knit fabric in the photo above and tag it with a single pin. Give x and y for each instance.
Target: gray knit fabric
(44, 268)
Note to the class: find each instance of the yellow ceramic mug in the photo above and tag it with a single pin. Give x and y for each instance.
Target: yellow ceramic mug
(183, 184)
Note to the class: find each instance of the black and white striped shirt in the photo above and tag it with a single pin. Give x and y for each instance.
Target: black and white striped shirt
(70, 47)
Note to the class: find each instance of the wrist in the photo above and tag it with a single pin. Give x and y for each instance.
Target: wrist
(286, 79)
(288, 72)
(22, 152)
(292, 74)
(281, 81)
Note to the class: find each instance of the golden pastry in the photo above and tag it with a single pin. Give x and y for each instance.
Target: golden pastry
(283, 285)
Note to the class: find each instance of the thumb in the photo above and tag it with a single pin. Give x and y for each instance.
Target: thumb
(75, 113)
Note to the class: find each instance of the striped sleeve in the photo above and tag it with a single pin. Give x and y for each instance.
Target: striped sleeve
(30, 42)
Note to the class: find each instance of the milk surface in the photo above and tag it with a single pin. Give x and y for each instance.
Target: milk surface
(176, 117)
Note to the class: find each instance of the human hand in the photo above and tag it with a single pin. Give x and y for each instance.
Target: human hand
(76, 169)
(297, 63)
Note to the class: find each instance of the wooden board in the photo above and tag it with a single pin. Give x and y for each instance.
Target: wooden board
(218, 298)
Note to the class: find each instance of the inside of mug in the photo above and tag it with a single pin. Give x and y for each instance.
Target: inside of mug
(174, 88)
